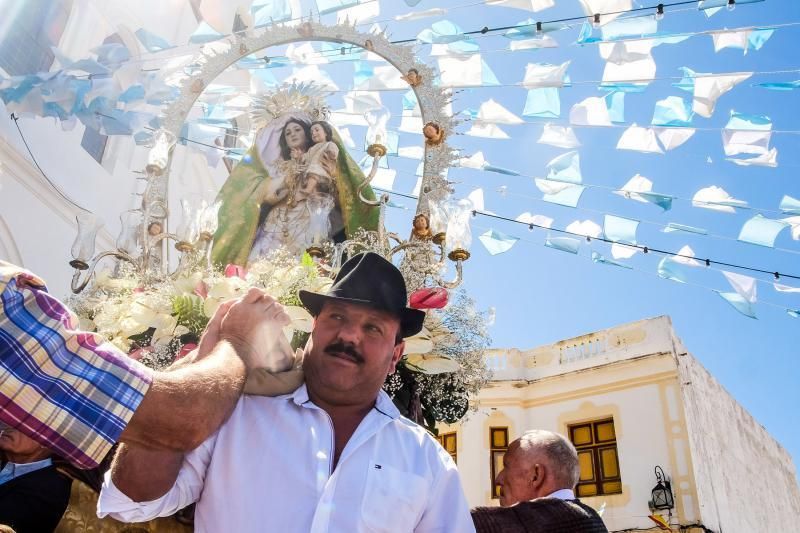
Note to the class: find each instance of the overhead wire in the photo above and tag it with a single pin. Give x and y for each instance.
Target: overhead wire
(708, 262)
(651, 273)
(603, 212)
(52, 184)
(644, 248)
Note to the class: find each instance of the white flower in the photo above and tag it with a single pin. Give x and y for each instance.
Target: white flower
(223, 290)
(301, 319)
(187, 284)
(420, 343)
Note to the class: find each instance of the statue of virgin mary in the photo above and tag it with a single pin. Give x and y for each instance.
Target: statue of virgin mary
(295, 168)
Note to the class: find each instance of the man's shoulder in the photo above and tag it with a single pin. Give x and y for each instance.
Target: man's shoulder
(565, 512)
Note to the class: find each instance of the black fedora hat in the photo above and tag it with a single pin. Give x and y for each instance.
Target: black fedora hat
(369, 279)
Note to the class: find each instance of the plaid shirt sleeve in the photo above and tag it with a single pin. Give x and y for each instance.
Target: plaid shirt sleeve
(69, 390)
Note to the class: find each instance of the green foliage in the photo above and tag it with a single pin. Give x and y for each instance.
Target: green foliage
(188, 310)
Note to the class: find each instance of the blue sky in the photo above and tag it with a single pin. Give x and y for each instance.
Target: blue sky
(543, 295)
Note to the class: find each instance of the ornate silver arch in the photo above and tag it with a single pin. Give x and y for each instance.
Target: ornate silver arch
(216, 57)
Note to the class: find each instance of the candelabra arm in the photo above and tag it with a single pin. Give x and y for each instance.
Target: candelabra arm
(456, 282)
(156, 239)
(405, 245)
(395, 237)
(82, 276)
(376, 157)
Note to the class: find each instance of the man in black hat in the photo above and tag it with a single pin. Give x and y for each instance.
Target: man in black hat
(333, 456)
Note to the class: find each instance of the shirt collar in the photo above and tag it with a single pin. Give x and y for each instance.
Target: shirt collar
(562, 494)
(383, 403)
(14, 470)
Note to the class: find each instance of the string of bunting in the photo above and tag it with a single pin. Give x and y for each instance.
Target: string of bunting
(645, 249)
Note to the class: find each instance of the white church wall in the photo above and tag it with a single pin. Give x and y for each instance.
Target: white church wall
(746, 481)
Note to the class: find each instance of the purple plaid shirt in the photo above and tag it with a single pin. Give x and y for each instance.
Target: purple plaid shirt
(69, 390)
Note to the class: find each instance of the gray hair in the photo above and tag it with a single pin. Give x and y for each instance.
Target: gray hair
(560, 453)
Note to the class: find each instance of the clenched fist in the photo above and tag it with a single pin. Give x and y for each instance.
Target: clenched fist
(254, 327)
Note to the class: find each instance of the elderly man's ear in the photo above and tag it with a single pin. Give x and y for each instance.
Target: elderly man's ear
(538, 474)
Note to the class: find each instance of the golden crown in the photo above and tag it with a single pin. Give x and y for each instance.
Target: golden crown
(307, 98)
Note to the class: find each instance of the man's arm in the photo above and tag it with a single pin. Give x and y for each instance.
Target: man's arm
(184, 488)
(184, 406)
(248, 329)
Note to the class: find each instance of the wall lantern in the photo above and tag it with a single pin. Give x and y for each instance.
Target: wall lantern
(662, 492)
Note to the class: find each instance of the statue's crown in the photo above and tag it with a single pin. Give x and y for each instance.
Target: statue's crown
(307, 98)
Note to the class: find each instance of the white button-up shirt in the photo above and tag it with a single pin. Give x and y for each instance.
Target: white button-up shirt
(268, 468)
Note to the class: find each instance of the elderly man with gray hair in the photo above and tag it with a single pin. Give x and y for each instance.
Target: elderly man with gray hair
(540, 471)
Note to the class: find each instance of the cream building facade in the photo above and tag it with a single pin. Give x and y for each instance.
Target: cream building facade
(632, 398)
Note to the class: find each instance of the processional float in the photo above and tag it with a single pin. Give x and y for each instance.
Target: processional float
(287, 216)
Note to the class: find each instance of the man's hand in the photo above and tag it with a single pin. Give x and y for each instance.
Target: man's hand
(254, 327)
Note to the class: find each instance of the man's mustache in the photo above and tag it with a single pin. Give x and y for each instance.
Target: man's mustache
(340, 347)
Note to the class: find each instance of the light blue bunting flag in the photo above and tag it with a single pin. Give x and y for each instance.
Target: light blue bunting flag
(741, 121)
(739, 303)
(619, 229)
(661, 200)
(566, 168)
(409, 100)
(442, 32)
(585, 35)
(112, 54)
(620, 28)
(670, 269)
(565, 244)
(713, 4)
(525, 29)
(789, 205)
(779, 85)
(615, 102)
(500, 170)
(597, 258)
(687, 83)
(672, 111)
(758, 37)
(569, 197)
(270, 11)
(543, 102)
(496, 242)
(151, 41)
(90, 66)
(487, 75)
(761, 231)
(265, 76)
(363, 72)
(330, 6)
(204, 34)
(132, 94)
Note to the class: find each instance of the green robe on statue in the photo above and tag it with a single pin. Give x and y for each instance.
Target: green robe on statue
(249, 186)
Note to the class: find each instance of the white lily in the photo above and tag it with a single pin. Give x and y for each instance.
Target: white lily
(187, 284)
(225, 289)
(301, 319)
(420, 343)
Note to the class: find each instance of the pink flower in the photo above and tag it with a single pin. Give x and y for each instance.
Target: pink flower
(201, 289)
(428, 298)
(138, 289)
(235, 271)
(185, 349)
(138, 353)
